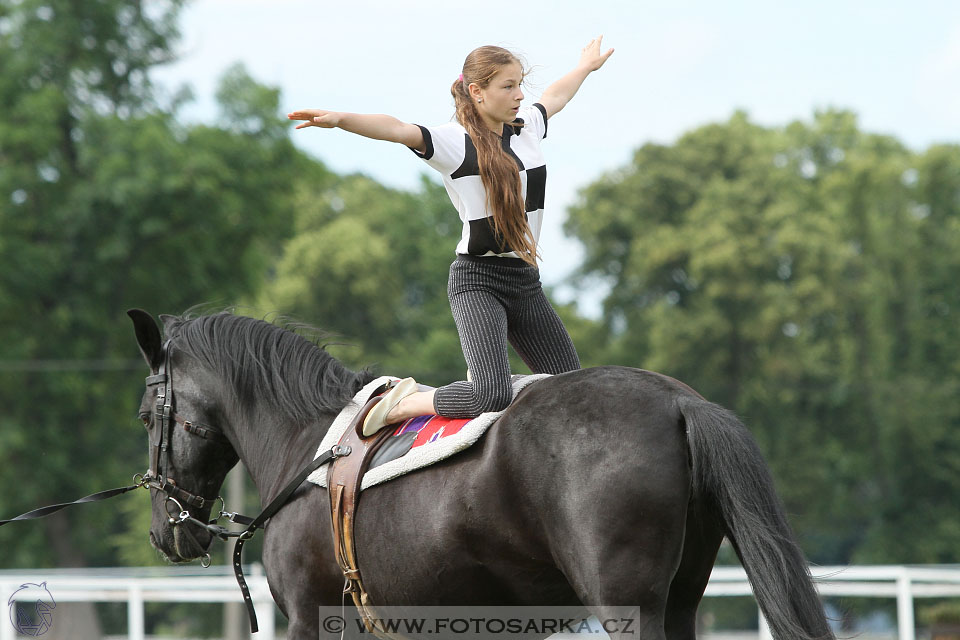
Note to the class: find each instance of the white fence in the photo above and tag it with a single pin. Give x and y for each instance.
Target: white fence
(904, 583)
(135, 587)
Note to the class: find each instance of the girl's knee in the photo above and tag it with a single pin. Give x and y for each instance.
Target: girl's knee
(495, 398)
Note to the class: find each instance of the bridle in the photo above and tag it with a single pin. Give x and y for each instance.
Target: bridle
(157, 476)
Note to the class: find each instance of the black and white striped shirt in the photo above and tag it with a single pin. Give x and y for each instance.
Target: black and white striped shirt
(450, 151)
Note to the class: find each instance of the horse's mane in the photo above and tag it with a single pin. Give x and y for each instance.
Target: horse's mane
(264, 361)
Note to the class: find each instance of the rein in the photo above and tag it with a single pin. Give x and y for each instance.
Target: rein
(53, 508)
(166, 418)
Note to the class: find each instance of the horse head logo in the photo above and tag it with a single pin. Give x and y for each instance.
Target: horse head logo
(38, 621)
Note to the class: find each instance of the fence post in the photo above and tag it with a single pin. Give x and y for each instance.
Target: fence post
(135, 626)
(265, 619)
(764, 628)
(7, 631)
(905, 623)
(263, 604)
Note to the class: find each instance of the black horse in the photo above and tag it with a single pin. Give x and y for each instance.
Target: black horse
(608, 487)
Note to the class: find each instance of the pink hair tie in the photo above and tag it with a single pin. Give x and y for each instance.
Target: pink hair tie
(461, 77)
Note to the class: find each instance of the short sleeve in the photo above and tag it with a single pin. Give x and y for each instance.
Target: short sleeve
(444, 147)
(535, 118)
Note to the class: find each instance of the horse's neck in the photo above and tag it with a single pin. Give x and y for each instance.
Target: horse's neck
(275, 451)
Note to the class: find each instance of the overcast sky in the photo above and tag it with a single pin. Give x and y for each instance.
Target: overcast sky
(677, 65)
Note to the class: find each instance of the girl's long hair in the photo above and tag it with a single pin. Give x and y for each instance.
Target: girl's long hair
(498, 171)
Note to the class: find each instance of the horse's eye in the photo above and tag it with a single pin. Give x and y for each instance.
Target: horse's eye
(145, 418)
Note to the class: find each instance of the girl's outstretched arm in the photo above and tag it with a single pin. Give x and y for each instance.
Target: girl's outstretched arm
(378, 127)
(560, 92)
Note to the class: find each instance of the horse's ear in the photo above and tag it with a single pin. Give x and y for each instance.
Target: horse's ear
(148, 337)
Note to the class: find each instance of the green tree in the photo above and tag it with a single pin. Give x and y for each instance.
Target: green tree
(799, 276)
(106, 203)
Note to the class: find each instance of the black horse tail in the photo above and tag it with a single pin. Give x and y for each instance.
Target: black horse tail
(729, 473)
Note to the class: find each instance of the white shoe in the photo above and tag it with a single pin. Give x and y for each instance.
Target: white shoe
(377, 418)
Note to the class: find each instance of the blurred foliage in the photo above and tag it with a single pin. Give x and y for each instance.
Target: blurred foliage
(106, 203)
(804, 276)
(944, 612)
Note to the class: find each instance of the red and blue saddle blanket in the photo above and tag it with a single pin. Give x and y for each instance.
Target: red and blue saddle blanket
(430, 428)
(414, 444)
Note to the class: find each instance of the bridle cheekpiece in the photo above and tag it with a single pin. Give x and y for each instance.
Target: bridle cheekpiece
(157, 476)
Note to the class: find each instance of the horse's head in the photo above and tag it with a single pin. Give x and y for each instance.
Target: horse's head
(190, 454)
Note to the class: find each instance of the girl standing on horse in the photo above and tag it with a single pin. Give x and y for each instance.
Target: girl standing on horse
(495, 175)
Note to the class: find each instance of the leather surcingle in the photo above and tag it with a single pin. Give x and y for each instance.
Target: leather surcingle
(343, 484)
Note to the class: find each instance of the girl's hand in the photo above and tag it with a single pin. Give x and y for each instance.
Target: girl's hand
(590, 58)
(316, 118)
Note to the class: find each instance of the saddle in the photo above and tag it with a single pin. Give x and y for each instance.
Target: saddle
(343, 484)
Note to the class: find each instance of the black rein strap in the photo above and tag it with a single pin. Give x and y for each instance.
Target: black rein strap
(265, 515)
(53, 508)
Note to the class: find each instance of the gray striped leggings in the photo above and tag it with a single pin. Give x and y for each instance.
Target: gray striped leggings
(496, 300)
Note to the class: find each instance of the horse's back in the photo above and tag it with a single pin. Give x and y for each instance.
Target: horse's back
(577, 461)
(600, 448)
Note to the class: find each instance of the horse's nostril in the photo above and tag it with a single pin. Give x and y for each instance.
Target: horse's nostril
(153, 539)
